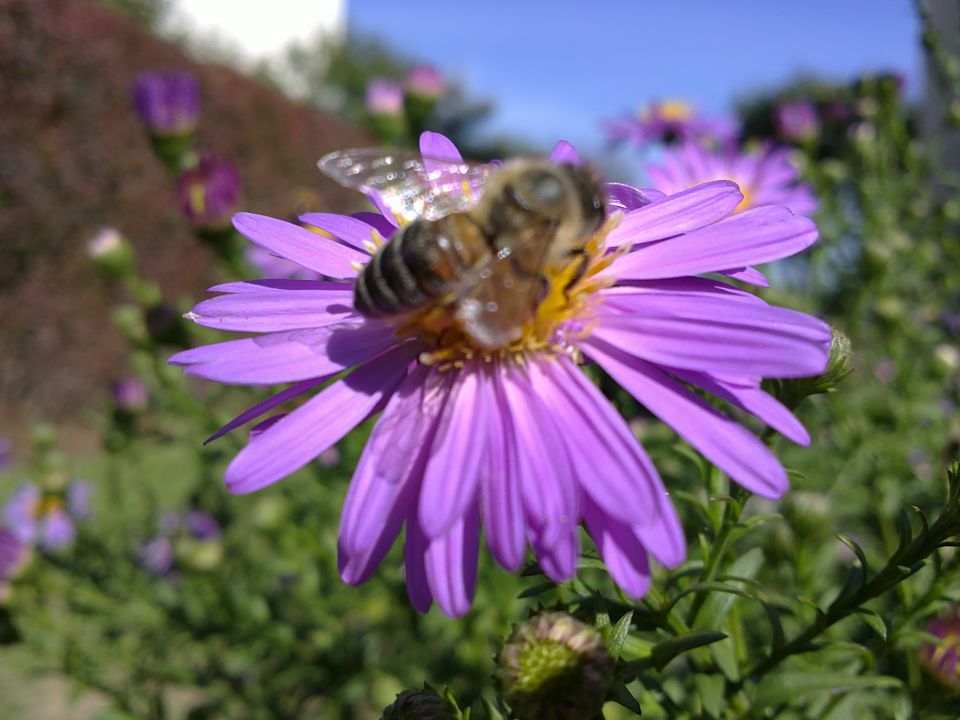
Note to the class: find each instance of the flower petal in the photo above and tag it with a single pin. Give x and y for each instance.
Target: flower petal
(621, 551)
(725, 443)
(287, 356)
(564, 152)
(264, 407)
(721, 335)
(457, 454)
(273, 310)
(748, 238)
(676, 214)
(415, 567)
(627, 197)
(434, 146)
(451, 563)
(558, 560)
(500, 493)
(352, 231)
(748, 275)
(299, 245)
(319, 423)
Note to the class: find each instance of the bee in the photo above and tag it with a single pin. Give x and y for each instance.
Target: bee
(479, 241)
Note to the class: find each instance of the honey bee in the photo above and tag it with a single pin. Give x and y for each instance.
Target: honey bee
(477, 240)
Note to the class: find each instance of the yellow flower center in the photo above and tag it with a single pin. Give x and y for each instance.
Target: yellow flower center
(563, 315)
(47, 505)
(672, 111)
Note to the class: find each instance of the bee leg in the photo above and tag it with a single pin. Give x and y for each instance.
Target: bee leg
(582, 260)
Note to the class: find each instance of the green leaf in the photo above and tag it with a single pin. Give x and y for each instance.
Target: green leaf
(667, 650)
(710, 689)
(602, 614)
(535, 590)
(620, 632)
(621, 695)
(874, 621)
(791, 686)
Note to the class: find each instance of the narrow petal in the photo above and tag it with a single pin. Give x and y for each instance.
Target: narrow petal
(264, 407)
(627, 197)
(748, 275)
(352, 231)
(318, 424)
(383, 225)
(299, 245)
(558, 560)
(287, 356)
(725, 443)
(606, 459)
(457, 455)
(676, 214)
(564, 152)
(275, 310)
(752, 237)
(500, 493)
(451, 562)
(408, 422)
(721, 335)
(259, 286)
(550, 495)
(620, 550)
(751, 398)
(415, 567)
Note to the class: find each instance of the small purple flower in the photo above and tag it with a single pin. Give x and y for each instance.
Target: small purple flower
(130, 395)
(519, 438)
(425, 81)
(13, 555)
(201, 525)
(384, 97)
(797, 121)
(156, 555)
(168, 103)
(47, 519)
(766, 176)
(671, 121)
(942, 658)
(209, 193)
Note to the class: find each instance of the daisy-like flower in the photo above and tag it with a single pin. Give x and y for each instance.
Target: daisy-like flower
(943, 658)
(797, 120)
(766, 176)
(668, 122)
(209, 193)
(47, 519)
(518, 442)
(167, 103)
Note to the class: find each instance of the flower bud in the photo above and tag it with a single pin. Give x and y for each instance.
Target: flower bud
(797, 121)
(384, 97)
(425, 81)
(169, 105)
(209, 193)
(941, 658)
(419, 705)
(130, 395)
(791, 391)
(111, 252)
(554, 667)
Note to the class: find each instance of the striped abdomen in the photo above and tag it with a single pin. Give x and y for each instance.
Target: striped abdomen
(420, 263)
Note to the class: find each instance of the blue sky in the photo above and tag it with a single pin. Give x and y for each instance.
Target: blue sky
(554, 69)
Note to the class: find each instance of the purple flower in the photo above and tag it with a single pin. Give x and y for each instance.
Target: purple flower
(425, 81)
(797, 121)
(130, 395)
(766, 176)
(941, 658)
(47, 519)
(189, 537)
(670, 121)
(168, 103)
(519, 436)
(156, 555)
(13, 556)
(384, 97)
(209, 193)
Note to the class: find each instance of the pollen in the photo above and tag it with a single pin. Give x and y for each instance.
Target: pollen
(563, 316)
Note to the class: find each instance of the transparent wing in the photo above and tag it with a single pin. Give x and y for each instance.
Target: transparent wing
(408, 185)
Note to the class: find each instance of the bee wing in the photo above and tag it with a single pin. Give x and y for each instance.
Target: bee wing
(410, 186)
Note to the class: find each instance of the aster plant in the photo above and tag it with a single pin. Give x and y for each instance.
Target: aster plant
(518, 440)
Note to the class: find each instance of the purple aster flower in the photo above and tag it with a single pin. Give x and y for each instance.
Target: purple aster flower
(201, 525)
(518, 442)
(13, 555)
(47, 519)
(941, 658)
(130, 395)
(209, 193)
(384, 97)
(425, 81)
(156, 555)
(766, 176)
(797, 121)
(669, 122)
(168, 103)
